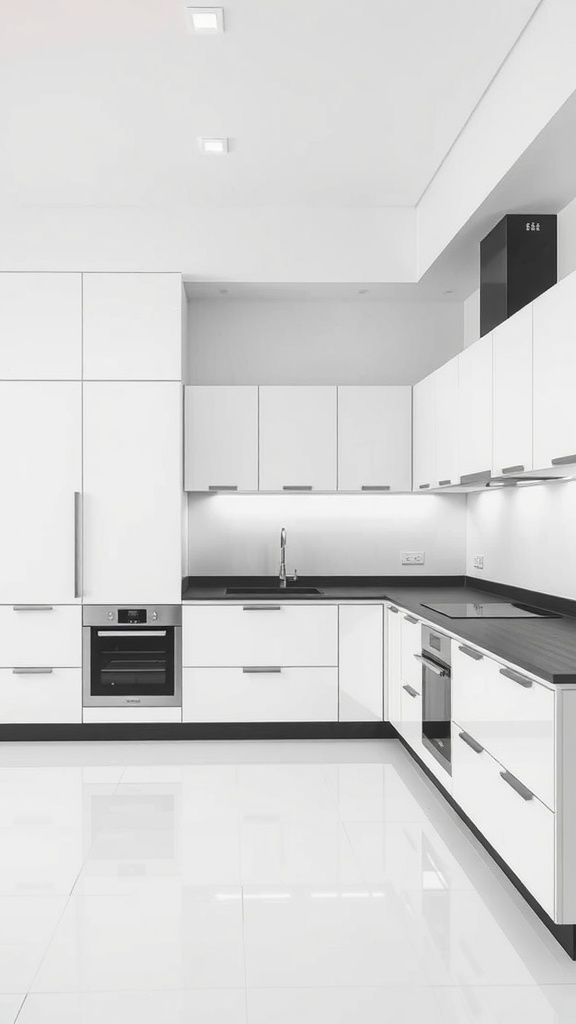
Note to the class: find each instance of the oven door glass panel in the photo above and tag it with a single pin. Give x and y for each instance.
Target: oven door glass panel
(436, 715)
(132, 662)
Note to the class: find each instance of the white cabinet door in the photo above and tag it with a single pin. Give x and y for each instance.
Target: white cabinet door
(447, 454)
(221, 439)
(132, 326)
(374, 438)
(475, 407)
(554, 375)
(393, 664)
(41, 635)
(132, 492)
(40, 326)
(360, 663)
(240, 695)
(513, 394)
(40, 470)
(298, 438)
(411, 669)
(424, 395)
(40, 695)
(260, 634)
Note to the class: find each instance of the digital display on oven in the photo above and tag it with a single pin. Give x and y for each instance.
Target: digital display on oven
(131, 616)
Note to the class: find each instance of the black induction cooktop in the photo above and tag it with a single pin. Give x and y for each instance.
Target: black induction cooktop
(490, 610)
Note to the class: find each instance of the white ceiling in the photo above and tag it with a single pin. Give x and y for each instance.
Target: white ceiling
(333, 103)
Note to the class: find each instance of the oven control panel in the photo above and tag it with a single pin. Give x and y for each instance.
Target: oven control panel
(132, 616)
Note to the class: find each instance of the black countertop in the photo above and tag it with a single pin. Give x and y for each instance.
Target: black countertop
(544, 647)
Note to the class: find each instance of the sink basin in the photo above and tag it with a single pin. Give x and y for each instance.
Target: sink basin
(278, 592)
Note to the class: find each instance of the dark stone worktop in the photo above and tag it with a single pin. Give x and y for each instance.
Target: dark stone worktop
(545, 647)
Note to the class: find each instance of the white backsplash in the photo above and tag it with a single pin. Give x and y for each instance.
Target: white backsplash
(327, 534)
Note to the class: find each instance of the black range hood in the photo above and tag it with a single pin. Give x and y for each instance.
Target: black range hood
(518, 261)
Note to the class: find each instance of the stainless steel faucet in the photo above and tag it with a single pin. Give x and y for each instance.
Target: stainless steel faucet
(282, 575)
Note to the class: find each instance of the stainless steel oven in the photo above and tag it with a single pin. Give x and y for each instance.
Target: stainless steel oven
(436, 695)
(132, 656)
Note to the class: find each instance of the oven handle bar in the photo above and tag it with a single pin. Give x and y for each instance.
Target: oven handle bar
(131, 632)
(431, 665)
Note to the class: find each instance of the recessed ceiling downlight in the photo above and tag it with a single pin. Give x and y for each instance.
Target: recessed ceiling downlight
(213, 147)
(205, 20)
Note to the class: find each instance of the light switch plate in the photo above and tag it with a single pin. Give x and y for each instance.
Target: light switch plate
(478, 561)
(412, 557)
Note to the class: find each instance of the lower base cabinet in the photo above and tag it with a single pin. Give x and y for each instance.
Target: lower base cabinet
(38, 697)
(253, 695)
(514, 821)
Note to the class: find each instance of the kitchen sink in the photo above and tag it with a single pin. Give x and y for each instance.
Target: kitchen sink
(276, 591)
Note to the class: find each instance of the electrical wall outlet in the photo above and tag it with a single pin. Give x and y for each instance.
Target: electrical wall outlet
(412, 557)
(478, 561)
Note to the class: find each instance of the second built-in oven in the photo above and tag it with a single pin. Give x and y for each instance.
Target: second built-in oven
(436, 695)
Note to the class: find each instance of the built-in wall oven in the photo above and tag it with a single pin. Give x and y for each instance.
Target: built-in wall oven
(436, 695)
(132, 656)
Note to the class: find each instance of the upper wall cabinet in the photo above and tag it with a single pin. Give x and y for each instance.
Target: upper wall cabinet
(41, 473)
(512, 352)
(425, 475)
(374, 438)
(447, 454)
(132, 326)
(298, 439)
(40, 326)
(221, 439)
(475, 409)
(555, 375)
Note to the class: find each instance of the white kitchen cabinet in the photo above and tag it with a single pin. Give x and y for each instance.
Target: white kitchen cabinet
(41, 470)
(132, 492)
(41, 635)
(393, 654)
(410, 724)
(475, 408)
(554, 375)
(131, 716)
(278, 694)
(132, 326)
(360, 660)
(517, 824)
(298, 438)
(510, 713)
(513, 379)
(40, 326)
(410, 668)
(447, 453)
(270, 633)
(221, 439)
(374, 438)
(424, 396)
(40, 695)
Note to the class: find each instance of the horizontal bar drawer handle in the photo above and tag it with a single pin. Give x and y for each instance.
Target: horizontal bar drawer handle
(517, 786)
(565, 460)
(32, 671)
(475, 655)
(261, 607)
(423, 487)
(33, 608)
(431, 665)
(517, 677)
(444, 483)
(297, 487)
(261, 670)
(393, 609)
(471, 742)
(222, 487)
(410, 618)
(375, 487)
(513, 469)
(411, 691)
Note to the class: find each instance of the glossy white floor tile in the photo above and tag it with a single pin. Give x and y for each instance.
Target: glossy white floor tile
(256, 883)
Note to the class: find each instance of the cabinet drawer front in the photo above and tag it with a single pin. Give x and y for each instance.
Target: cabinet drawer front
(512, 717)
(411, 670)
(264, 634)
(234, 695)
(520, 829)
(40, 697)
(36, 635)
(125, 716)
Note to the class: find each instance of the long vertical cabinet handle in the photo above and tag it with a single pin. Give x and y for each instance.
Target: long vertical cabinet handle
(77, 544)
